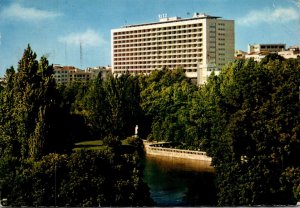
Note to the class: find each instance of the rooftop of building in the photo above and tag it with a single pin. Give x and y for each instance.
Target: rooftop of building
(57, 66)
(164, 19)
(259, 53)
(268, 44)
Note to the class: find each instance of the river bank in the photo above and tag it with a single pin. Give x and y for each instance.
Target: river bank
(179, 182)
(179, 177)
(159, 149)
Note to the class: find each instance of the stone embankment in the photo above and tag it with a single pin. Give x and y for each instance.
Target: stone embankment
(157, 148)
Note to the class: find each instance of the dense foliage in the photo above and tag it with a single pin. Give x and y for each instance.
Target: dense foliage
(29, 106)
(252, 131)
(112, 105)
(39, 123)
(165, 99)
(84, 178)
(247, 119)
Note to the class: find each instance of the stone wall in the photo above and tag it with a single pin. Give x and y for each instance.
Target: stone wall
(154, 149)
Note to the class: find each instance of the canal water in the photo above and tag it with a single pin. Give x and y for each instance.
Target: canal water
(180, 182)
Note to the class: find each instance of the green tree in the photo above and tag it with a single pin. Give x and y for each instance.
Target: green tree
(123, 99)
(35, 119)
(97, 108)
(29, 107)
(253, 117)
(74, 110)
(166, 98)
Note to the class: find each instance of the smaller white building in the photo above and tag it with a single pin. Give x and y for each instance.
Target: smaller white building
(257, 56)
(94, 71)
(204, 71)
(259, 51)
(292, 52)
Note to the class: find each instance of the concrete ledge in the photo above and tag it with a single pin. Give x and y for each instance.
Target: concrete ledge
(156, 149)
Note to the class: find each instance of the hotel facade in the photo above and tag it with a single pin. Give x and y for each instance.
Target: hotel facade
(200, 45)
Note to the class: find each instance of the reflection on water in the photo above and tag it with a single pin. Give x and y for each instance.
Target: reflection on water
(180, 182)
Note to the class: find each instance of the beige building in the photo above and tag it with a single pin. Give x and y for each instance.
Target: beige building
(94, 71)
(259, 51)
(200, 45)
(272, 48)
(257, 56)
(67, 74)
(239, 54)
(292, 52)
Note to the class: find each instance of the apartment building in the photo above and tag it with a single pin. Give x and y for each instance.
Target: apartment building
(200, 45)
(239, 54)
(94, 71)
(260, 51)
(291, 52)
(67, 74)
(272, 48)
(257, 56)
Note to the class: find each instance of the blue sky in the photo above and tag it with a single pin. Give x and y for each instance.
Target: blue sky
(55, 28)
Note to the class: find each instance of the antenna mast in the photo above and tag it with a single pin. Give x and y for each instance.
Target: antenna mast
(80, 54)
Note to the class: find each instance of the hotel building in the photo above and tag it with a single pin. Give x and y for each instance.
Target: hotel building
(200, 45)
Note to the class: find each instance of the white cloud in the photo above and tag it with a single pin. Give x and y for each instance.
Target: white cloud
(87, 38)
(278, 15)
(16, 11)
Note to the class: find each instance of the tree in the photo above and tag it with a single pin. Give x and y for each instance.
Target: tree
(253, 117)
(35, 117)
(123, 99)
(30, 106)
(97, 108)
(166, 98)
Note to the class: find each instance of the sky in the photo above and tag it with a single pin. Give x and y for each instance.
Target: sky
(61, 29)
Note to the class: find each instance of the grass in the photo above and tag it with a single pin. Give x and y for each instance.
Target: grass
(90, 145)
(95, 145)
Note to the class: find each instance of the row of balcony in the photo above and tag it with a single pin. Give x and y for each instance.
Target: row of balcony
(160, 52)
(157, 29)
(165, 45)
(160, 39)
(158, 48)
(160, 56)
(187, 34)
(186, 67)
(186, 61)
(179, 59)
(137, 71)
(146, 65)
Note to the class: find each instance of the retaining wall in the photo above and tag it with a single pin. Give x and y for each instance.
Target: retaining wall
(154, 149)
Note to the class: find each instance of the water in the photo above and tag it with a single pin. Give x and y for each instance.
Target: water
(180, 182)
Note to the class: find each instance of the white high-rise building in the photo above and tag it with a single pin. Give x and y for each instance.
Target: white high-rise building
(200, 45)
